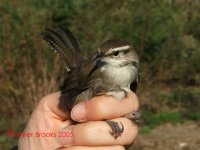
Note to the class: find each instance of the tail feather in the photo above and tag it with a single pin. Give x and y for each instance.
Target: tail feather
(64, 43)
(71, 40)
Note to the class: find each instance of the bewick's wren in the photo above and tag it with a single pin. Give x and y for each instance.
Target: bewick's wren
(112, 71)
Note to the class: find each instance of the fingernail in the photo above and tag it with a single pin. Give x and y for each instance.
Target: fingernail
(79, 113)
(65, 136)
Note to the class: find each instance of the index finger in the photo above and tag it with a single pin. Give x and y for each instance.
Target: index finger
(104, 107)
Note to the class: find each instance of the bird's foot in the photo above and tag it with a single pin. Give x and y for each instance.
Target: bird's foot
(134, 117)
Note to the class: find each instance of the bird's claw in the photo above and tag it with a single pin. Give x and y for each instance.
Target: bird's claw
(134, 117)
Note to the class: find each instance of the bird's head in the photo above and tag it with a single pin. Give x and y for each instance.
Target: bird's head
(117, 53)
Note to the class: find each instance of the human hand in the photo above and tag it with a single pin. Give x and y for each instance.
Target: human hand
(92, 133)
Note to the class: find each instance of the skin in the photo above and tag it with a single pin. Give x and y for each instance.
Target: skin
(91, 134)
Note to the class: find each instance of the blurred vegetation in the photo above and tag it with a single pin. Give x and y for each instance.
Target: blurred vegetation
(165, 33)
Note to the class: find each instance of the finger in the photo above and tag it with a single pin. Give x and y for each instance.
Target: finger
(97, 133)
(96, 148)
(104, 107)
(50, 104)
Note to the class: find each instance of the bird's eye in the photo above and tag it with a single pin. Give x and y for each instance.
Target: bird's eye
(116, 53)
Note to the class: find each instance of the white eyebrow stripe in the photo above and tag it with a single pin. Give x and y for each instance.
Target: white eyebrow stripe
(118, 48)
(121, 48)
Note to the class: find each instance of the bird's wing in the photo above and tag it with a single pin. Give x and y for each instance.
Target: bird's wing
(78, 78)
(134, 84)
(62, 41)
(80, 82)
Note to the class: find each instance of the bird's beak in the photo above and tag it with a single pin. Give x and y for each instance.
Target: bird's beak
(99, 55)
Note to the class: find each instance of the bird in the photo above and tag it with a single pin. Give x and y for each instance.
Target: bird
(112, 71)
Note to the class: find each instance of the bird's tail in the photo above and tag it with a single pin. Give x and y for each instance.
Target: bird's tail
(62, 41)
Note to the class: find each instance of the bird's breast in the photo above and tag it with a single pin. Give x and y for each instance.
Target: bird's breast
(119, 76)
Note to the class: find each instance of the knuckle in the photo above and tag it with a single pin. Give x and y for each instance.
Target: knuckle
(134, 102)
(131, 131)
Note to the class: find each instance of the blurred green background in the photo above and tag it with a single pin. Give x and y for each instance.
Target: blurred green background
(165, 33)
